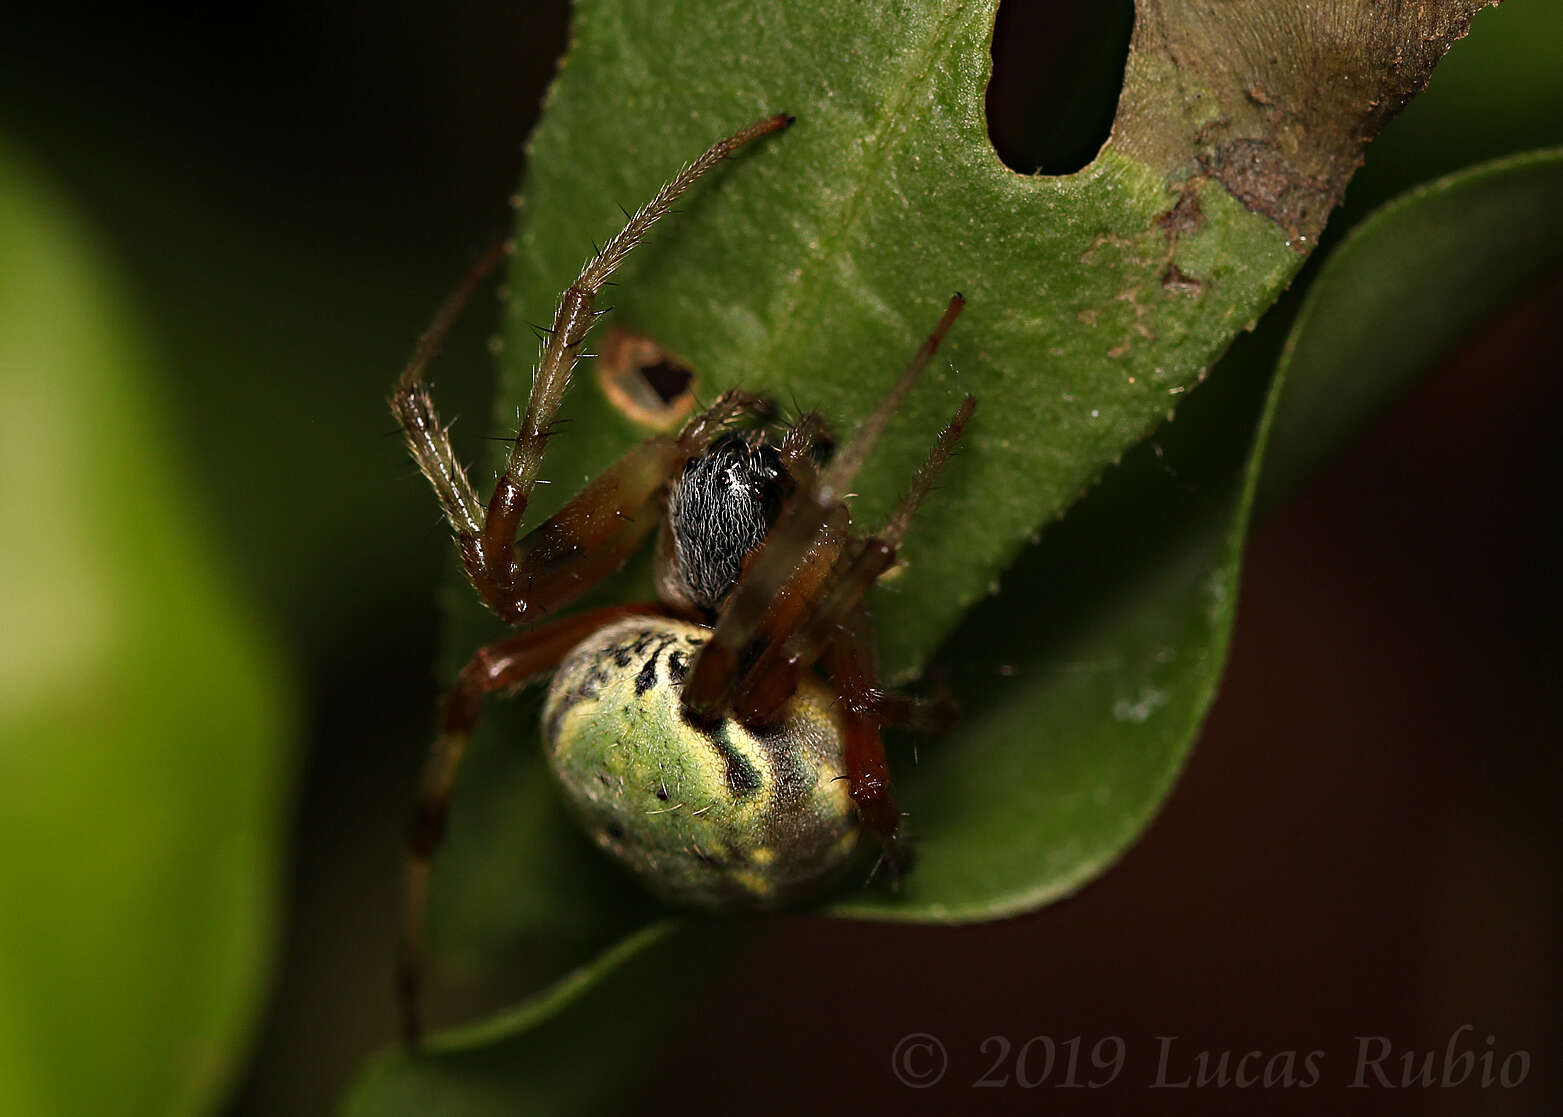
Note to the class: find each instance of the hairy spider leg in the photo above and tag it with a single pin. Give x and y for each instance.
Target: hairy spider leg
(799, 444)
(428, 440)
(516, 582)
(596, 523)
(849, 659)
(587, 539)
(791, 568)
(769, 681)
(503, 665)
(838, 629)
(931, 713)
(499, 571)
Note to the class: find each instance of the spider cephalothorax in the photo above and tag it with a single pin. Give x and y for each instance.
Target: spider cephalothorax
(691, 735)
(717, 512)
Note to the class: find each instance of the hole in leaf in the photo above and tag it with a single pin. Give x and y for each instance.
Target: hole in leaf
(643, 380)
(668, 380)
(1057, 72)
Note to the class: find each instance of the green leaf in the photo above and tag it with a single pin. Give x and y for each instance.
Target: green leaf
(1418, 275)
(811, 265)
(141, 716)
(1114, 632)
(511, 1064)
(1135, 590)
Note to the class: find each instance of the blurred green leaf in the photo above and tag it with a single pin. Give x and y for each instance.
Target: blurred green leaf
(534, 1059)
(1410, 281)
(142, 719)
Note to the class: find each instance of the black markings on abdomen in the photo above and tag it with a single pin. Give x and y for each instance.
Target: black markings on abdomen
(678, 667)
(742, 777)
(646, 678)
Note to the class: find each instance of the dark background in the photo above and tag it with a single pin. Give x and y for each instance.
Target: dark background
(1364, 843)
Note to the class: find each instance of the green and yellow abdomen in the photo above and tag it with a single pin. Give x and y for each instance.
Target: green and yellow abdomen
(711, 816)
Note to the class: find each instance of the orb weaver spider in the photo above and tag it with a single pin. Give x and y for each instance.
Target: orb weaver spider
(691, 735)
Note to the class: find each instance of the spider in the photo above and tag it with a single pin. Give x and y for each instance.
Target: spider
(691, 735)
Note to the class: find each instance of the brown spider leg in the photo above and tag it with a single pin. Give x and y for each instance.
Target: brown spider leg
(849, 659)
(503, 665)
(936, 713)
(787, 573)
(497, 571)
(865, 709)
(487, 535)
(765, 686)
(799, 444)
(597, 523)
(427, 439)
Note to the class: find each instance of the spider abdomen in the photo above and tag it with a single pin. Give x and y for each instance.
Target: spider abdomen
(715, 816)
